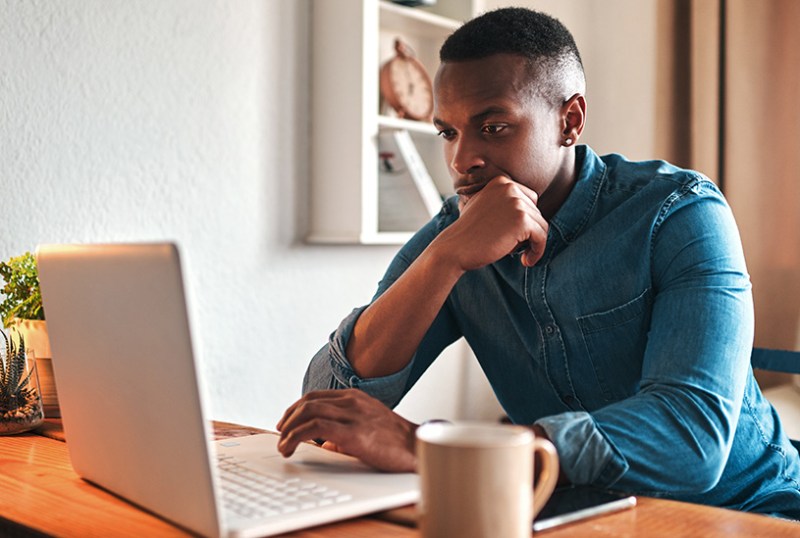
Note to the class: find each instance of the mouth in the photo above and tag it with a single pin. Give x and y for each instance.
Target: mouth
(466, 192)
(469, 190)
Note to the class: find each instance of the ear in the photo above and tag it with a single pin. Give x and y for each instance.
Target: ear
(573, 119)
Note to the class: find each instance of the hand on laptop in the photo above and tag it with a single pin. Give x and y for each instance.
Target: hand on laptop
(353, 423)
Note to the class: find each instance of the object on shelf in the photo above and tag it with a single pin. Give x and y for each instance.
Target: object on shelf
(405, 84)
(407, 196)
(343, 202)
(415, 3)
(419, 172)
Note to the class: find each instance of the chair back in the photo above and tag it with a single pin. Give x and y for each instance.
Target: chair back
(777, 360)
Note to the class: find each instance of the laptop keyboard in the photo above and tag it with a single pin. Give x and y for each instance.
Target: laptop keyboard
(255, 494)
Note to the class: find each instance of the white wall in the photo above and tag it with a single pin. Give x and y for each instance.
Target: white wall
(140, 120)
(132, 120)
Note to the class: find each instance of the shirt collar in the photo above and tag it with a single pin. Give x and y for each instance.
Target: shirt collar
(574, 213)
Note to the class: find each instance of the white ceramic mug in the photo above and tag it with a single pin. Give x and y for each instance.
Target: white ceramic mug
(477, 479)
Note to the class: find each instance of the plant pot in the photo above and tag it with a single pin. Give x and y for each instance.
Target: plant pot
(21, 401)
(35, 334)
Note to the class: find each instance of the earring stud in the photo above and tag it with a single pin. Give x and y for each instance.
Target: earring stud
(568, 142)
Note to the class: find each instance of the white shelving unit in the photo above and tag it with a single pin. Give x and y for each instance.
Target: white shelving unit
(351, 39)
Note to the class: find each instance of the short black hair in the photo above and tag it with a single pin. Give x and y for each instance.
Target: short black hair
(542, 39)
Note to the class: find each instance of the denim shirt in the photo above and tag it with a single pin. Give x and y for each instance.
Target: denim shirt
(629, 342)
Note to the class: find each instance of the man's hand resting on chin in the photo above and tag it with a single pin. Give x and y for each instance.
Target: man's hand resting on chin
(353, 423)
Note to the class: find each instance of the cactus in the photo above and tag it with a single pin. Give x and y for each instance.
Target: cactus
(20, 403)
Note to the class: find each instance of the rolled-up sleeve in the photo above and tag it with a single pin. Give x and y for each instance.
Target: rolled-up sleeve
(586, 455)
(330, 369)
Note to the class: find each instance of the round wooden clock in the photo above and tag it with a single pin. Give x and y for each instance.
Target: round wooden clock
(406, 86)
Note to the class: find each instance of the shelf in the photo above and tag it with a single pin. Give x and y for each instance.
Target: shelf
(351, 39)
(373, 238)
(405, 19)
(391, 122)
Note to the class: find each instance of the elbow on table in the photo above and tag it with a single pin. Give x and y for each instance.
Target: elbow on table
(706, 443)
(702, 471)
(688, 466)
(681, 477)
(702, 477)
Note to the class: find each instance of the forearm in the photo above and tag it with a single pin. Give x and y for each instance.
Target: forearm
(330, 369)
(495, 222)
(643, 443)
(388, 332)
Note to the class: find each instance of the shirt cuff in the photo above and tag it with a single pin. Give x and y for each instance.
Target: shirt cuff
(585, 454)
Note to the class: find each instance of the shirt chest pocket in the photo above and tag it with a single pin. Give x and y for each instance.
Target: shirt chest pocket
(615, 342)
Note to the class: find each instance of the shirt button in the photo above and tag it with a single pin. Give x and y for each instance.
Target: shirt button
(550, 329)
(568, 399)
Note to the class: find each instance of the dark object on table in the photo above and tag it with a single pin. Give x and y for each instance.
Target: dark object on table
(576, 503)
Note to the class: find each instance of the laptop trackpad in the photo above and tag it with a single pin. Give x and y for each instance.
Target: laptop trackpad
(262, 449)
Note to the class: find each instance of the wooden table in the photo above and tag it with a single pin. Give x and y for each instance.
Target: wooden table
(40, 495)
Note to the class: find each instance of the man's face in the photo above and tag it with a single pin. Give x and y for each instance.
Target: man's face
(494, 124)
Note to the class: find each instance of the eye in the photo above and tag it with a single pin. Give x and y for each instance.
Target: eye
(447, 134)
(493, 128)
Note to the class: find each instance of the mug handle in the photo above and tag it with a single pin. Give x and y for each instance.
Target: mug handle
(548, 476)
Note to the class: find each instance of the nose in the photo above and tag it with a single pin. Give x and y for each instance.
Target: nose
(465, 157)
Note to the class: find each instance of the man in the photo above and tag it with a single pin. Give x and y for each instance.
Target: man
(607, 301)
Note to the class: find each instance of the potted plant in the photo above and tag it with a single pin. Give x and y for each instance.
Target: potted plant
(22, 309)
(20, 397)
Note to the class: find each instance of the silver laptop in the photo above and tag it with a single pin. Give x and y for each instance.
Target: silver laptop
(133, 407)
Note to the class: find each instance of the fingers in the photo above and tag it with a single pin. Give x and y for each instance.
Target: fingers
(333, 447)
(325, 407)
(536, 227)
(498, 219)
(332, 430)
(311, 396)
(534, 224)
(536, 244)
(526, 198)
(496, 183)
(532, 255)
(353, 423)
(324, 414)
(524, 190)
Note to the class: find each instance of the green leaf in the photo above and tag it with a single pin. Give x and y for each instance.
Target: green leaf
(22, 296)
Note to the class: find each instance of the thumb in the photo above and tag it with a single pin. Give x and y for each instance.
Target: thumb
(532, 254)
(329, 445)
